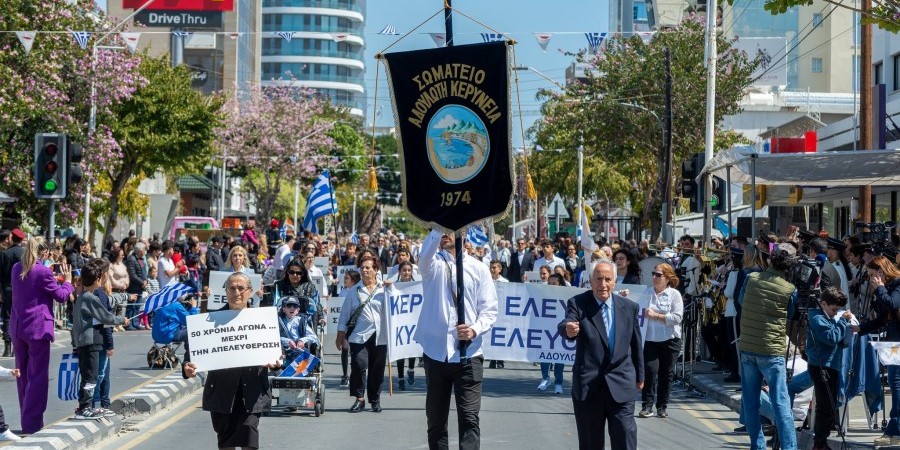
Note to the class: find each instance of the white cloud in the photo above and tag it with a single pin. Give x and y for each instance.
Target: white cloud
(446, 122)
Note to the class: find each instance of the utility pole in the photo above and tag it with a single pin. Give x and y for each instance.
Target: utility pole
(711, 55)
(865, 110)
(667, 152)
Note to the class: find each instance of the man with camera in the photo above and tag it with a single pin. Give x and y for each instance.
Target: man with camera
(769, 303)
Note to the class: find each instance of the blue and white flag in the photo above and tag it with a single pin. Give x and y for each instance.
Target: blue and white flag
(476, 236)
(389, 30)
(594, 41)
(165, 296)
(286, 35)
(492, 37)
(182, 34)
(354, 238)
(69, 380)
(82, 38)
(320, 203)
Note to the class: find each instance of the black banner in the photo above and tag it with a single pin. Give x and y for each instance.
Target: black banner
(452, 109)
(180, 19)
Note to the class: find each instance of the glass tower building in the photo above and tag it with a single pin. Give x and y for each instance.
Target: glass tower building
(325, 50)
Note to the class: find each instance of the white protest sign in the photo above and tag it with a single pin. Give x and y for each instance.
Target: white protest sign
(217, 278)
(321, 262)
(341, 271)
(334, 305)
(533, 276)
(234, 338)
(404, 301)
(319, 282)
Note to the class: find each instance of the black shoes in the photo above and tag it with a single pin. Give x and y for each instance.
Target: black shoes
(376, 407)
(411, 377)
(401, 384)
(359, 405)
(661, 413)
(645, 412)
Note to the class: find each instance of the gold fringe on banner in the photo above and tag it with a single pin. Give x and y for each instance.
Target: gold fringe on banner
(529, 186)
(373, 179)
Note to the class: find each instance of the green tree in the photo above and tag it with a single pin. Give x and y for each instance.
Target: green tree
(614, 116)
(165, 125)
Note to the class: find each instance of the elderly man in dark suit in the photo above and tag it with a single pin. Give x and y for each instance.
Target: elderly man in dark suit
(520, 261)
(609, 362)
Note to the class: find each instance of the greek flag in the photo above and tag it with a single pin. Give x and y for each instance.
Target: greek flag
(476, 236)
(68, 382)
(165, 296)
(82, 38)
(320, 203)
(389, 30)
(286, 35)
(594, 41)
(354, 238)
(182, 34)
(492, 37)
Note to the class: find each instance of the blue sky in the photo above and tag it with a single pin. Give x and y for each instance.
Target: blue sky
(520, 19)
(567, 19)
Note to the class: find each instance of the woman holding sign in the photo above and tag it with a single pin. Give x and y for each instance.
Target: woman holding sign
(361, 323)
(239, 261)
(662, 341)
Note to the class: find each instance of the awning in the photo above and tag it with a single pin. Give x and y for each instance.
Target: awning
(824, 169)
(795, 127)
(195, 183)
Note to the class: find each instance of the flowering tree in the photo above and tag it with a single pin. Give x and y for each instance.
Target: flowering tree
(49, 90)
(279, 134)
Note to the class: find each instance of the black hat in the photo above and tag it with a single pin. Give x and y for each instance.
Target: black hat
(835, 244)
(807, 235)
(290, 300)
(765, 238)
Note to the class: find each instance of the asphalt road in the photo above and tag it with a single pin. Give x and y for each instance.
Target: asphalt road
(128, 372)
(514, 415)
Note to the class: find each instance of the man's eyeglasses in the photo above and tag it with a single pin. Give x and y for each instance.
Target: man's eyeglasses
(658, 275)
(238, 289)
(295, 272)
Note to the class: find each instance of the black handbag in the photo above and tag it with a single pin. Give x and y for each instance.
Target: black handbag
(351, 324)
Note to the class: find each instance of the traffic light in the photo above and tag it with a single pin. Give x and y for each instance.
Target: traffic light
(49, 165)
(74, 154)
(690, 189)
(717, 200)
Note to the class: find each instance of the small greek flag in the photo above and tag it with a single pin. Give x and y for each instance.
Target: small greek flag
(492, 37)
(165, 296)
(82, 38)
(68, 382)
(320, 203)
(389, 30)
(594, 41)
(183, 34)
(476, 236)
(286, 35)
(354, 238)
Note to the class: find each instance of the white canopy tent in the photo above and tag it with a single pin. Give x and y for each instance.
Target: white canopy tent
(840, 169)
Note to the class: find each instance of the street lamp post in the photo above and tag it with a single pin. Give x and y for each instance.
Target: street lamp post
(92, 122)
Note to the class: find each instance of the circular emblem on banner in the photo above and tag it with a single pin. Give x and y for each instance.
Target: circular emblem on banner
(458, 143)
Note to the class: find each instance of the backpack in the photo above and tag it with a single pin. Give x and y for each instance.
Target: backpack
(159, 357)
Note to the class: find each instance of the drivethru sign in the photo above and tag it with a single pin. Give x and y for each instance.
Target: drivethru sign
(452, 110)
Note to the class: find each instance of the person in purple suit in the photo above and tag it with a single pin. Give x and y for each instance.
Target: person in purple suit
(34, 288)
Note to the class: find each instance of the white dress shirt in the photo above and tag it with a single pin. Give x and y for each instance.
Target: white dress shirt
(436, 330)
(278, 260)
(370, 320)
(394, 271)
(551, 264)
(667, 302)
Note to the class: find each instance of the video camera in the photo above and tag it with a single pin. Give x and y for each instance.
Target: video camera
(804, 274)
(878, 237)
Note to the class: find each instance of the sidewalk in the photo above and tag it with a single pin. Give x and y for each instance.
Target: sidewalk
(712, 384)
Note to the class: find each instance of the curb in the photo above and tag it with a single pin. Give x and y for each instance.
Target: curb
(732, 400)
(131, 408)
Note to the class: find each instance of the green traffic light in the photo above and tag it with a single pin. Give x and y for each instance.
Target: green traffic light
(714, 201)
(50, 185)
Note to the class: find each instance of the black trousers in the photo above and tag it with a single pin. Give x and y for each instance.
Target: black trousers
(730, 345)
(88, 366)
(711, 333)
(345, 360)
(464, 379)
(825, 385)
(5, 309)
(592, 415)
(367, 359)
(401, 364)
(659, 370)
(237, 429)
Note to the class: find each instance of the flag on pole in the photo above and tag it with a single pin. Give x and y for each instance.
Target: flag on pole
(286, 35)
(492, 37)
(584, 230)
(543, 39)
(594, 41)
(81, 37)
(131, 40)
(320, 203)
(68, 381)
(165, 296)
(476, 236)
(440, 39)
(354, 238)
(27, 39)
(389, 30)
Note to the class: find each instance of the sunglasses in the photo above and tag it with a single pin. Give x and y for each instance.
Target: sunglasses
(291, 306)
(294, 272)
(658, 275)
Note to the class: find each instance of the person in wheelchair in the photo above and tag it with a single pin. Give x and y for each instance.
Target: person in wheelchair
(295, 326)
(170, 321)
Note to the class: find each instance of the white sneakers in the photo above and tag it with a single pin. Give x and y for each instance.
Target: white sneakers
(8, 435)
(558, 389)
(544, 385)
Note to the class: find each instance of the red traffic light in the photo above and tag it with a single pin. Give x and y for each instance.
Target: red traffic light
(50, 150)
(51, 167)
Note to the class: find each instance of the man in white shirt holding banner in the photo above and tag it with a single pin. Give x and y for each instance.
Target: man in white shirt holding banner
(439, 336)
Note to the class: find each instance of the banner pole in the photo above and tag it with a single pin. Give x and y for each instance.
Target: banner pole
(460, 300)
